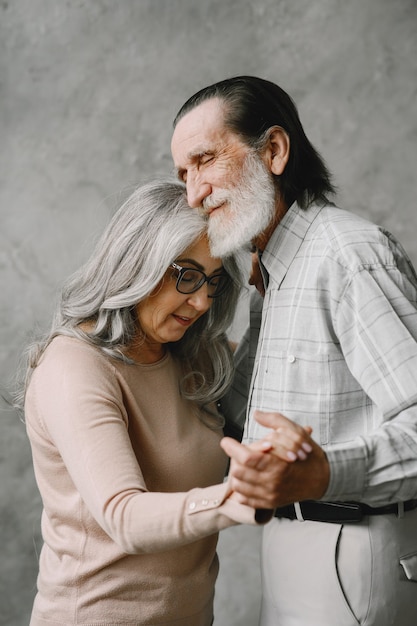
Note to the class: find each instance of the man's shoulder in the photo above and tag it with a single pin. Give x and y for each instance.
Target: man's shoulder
(351, 238)
(346, 224)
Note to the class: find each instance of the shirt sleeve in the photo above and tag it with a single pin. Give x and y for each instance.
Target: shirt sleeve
(75, 410)
(377, 329)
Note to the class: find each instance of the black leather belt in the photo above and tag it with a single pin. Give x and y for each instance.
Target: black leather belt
(339, 512)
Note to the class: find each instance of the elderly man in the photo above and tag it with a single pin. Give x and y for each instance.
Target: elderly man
(332, 344)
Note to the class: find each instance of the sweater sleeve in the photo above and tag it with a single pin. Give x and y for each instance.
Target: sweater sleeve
(75, 414)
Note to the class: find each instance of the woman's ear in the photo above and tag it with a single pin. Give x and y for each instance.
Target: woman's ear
(277, 150)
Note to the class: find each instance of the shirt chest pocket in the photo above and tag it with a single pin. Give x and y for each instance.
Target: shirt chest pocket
(314, 389)
(298, 385)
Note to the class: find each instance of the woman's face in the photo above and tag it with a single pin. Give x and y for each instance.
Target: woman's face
(166, 314)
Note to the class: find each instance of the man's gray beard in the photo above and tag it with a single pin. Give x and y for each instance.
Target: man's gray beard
(250, 209)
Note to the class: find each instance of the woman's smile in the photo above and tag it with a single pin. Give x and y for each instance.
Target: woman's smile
(184, 321)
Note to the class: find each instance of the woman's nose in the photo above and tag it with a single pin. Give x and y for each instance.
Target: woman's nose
(199, 300)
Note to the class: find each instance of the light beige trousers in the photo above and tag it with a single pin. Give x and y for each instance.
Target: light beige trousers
(321, 574)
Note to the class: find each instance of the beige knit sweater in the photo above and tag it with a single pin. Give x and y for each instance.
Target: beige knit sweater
(131, 483)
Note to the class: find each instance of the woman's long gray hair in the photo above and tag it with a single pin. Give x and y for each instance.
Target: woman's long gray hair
(150, 230)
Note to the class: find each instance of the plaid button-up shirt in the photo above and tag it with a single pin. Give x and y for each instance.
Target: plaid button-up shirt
(334, 345)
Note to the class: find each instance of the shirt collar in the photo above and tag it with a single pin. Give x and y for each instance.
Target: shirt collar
(287, 239)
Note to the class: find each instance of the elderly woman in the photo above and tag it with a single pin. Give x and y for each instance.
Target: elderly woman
(121, 414)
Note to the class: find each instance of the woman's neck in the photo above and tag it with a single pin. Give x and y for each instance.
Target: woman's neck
(145, 352)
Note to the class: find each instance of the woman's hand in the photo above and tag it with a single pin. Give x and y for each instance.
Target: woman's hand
(267, 474)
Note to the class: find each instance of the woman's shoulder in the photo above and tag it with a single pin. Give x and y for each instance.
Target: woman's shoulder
(68, 347)
(71, 369)
(69, 357)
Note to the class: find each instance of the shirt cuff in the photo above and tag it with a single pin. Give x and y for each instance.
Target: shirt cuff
(348, 471)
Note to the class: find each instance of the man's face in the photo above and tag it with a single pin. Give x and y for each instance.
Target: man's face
(225, 178)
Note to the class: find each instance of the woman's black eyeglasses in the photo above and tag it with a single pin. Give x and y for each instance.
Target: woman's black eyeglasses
(190, 280)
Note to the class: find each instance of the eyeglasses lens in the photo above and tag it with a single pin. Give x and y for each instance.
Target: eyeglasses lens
(191, 280)
(217, 284)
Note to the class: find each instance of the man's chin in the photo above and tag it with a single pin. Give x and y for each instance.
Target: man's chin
(221, 247)
(228, 236)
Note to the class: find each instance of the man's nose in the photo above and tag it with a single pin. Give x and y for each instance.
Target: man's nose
(197, 190)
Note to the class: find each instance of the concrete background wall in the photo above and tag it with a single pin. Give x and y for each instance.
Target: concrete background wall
(88, 93)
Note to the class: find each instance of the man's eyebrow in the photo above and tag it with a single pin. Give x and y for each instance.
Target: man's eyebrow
(195, 154)
(193, 157)
(197, 265)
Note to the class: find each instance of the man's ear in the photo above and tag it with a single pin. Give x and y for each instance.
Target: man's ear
(277, 150)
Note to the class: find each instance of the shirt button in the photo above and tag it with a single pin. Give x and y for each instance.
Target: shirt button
(204, 502)
(291, 358)
(192, 506)
(215, 502)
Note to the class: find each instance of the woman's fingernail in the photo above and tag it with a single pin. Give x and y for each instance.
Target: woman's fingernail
(291, 456)
(307, 447)
(302, 455)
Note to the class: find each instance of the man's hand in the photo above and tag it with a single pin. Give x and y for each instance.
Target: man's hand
(260, 477)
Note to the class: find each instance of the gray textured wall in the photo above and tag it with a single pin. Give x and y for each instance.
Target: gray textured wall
(88, 92)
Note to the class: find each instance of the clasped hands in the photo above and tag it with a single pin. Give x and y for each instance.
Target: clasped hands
(286, 466)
